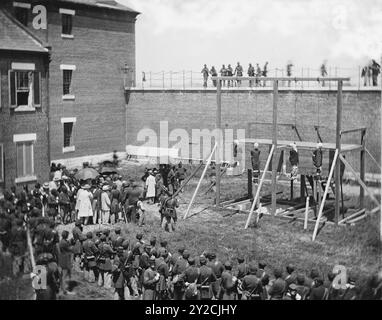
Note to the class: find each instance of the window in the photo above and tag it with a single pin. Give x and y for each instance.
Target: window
(24, 144)
(67, 24)
(1, 163)
(21, 14)
(24, 89)
(67, 81)
(67, 76)
(68, 124)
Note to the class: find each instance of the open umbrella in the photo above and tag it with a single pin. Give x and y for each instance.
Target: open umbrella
(108, 170)
(86, 174)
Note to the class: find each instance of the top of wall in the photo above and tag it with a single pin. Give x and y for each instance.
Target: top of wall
(257, 89)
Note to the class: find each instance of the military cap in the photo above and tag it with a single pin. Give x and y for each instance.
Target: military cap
(153, 239)
(181, 249)
(290, 268)
(152, 259)
(78, 223)
(212, 256)
(300, 279)
(191, 261)
(89, 235)
(117, 230)
(125, 244)
(252, 268)
(314, 273)
(262, 264)
(186, 254)
(228, 265)
(97, 242)
(278, 273)
(240, 259)
(202, 260)
(103, 238)
(106, 232)
(163, 243)
(139, 236)
(147, 247)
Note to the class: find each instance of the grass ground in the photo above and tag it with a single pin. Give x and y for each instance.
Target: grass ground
(277, 242)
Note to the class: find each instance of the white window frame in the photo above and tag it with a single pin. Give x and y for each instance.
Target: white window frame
(2, 162)
(69, 120)
(69, 12)
(20, 67)
(26, 137)
(71, 67)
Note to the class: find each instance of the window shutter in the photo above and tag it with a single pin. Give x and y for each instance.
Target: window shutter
(37, 88)
(12, 88)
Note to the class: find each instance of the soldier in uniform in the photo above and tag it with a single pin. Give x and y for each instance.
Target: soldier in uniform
(78, 238)
(289, 71)
(217, 268)
(205, 279)
(164, 274)
(191, 275)
(252, 286)
(90, 254)
(278, 287)
(228, 286)
(229, 73)
(117, 239)
(180, 267)
(104, 262)
(205, 73)
(150, 280)
(223, 73)
(294, 161)
(291, 276)
(251, 73)
(238, 73)
(180, 174)
(213, 73)
(242, 271)
(168, 213)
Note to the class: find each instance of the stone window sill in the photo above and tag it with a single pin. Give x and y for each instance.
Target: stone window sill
(67, 36)
(25, 179)
(24, 109)
(68, 97)
(68, 149)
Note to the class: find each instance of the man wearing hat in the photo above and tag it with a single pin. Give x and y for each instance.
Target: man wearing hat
(278, 287)
(164, 272)
(228, 286)
(117, 239)
(150, 280)
(150, 187)
(217, 268)
(251, 285)
(180, 173)
(90, 252)
(191, 275)
(180, 267)
(104, 262)
(105, 204)
(301, 289)
(84, 203)
(242, 271)
(255, 160)
(205, 279)
(317, 160)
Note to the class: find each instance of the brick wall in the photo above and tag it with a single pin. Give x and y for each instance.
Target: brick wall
(195, 109)
(12, 122)
(100, 48)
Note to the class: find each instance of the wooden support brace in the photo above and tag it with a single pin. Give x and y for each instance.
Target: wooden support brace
(372, 158)
(354, 215)
(185, 182)
(259, 187)
(356, 176)
(200, 181)
(325, 194)
(306, 213)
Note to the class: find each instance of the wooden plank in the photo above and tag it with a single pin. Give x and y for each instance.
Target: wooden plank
(347, 164)
(200, 181)
(372, 158)
(337, 172)
(324, 197)
(353, 215)
(306, 213)
(357, 219)
(259, 187)
(274, 143)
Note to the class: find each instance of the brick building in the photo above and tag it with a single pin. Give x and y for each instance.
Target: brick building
(24, 108)
(92, 58)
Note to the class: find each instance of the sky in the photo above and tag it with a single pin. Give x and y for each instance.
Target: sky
(185, 34)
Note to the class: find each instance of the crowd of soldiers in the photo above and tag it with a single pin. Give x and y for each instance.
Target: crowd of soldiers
(370, 73)
(136, 269)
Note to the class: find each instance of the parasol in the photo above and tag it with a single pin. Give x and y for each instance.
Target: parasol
(86, 174)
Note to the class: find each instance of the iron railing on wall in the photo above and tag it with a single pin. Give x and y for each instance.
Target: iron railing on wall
(186, 79)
